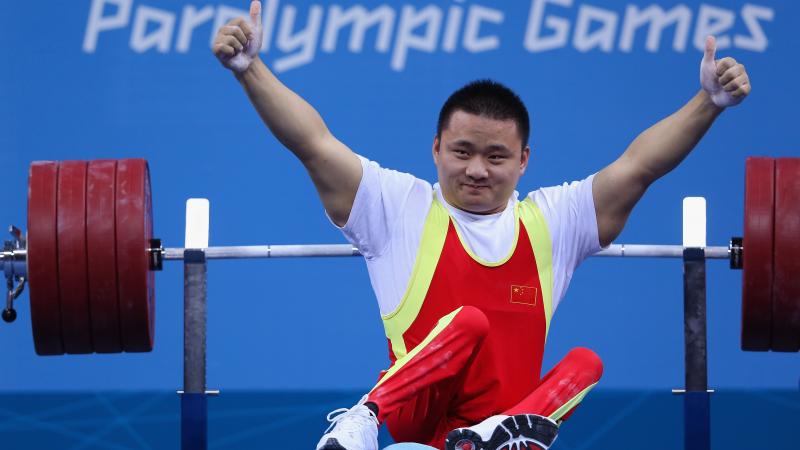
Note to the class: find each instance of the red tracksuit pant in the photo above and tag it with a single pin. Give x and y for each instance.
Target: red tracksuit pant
(424, 399)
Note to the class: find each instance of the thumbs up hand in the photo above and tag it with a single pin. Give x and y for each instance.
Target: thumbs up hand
(238, 43)
(725, 80)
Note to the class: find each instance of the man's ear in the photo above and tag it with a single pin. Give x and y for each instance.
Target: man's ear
(526, 156)
(435, 149)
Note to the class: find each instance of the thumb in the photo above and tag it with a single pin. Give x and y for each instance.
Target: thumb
(255, 12)
(711, 49)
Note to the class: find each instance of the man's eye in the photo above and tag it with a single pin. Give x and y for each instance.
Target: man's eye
(460, 152)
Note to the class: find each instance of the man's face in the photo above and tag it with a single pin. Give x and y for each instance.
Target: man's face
(479, 161)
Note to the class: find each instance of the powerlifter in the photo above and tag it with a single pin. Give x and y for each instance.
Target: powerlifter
(466, 274)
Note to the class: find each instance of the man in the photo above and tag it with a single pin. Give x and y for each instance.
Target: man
(467, 276)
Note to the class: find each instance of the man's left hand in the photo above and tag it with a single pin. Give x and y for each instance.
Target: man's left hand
(725, 80)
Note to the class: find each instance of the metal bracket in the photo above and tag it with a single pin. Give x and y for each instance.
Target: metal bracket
(156, 251)
(683, 391)
(735, 250)
(213, 393)
(13, 262)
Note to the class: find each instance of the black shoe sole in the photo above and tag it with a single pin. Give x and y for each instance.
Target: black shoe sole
(332, 444)
(536, 432)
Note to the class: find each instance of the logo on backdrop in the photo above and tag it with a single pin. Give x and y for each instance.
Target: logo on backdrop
(293, 36)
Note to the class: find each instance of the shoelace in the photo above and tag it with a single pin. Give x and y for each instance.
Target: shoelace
(359, 415)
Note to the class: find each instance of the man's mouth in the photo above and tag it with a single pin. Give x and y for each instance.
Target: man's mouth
(475, 186)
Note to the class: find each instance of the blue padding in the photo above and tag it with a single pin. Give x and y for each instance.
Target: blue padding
(697, 421)
(194, 415)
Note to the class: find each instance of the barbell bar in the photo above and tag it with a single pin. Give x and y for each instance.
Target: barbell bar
(103, 300)
(339, 250)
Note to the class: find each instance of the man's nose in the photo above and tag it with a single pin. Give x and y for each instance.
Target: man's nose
(476, 169)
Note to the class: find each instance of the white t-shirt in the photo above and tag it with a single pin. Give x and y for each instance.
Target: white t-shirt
(389, 214)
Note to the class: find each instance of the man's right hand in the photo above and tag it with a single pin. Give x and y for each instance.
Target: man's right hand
(237, 44)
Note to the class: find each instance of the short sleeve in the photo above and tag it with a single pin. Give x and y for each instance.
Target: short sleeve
(569, 212)
(381, 197)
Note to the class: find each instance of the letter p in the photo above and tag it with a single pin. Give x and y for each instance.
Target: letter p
(99, 23)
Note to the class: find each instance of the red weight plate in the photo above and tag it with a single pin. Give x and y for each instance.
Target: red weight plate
(134, 230)
(102, 257)
(786, 286)
(43, 259)
(759, 214)
(72, 279)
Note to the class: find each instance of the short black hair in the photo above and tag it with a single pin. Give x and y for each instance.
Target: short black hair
(487, 98)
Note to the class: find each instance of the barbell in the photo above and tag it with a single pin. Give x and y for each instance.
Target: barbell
(90, 255)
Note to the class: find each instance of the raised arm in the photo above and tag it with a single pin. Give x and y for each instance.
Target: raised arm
(333, 167)
(660, 148)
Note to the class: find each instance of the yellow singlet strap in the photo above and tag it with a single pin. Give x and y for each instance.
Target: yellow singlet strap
(539, 235)
(430, 249)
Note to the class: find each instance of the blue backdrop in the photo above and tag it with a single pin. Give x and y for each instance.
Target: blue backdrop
(119, 78)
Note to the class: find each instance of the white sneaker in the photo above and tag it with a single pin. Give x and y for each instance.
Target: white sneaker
(520, 432)
(351, 429)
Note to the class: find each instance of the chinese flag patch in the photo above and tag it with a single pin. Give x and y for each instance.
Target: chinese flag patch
(525, 295)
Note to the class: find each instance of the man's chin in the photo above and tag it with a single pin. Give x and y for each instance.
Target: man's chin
(474, 203)
(476, 207)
